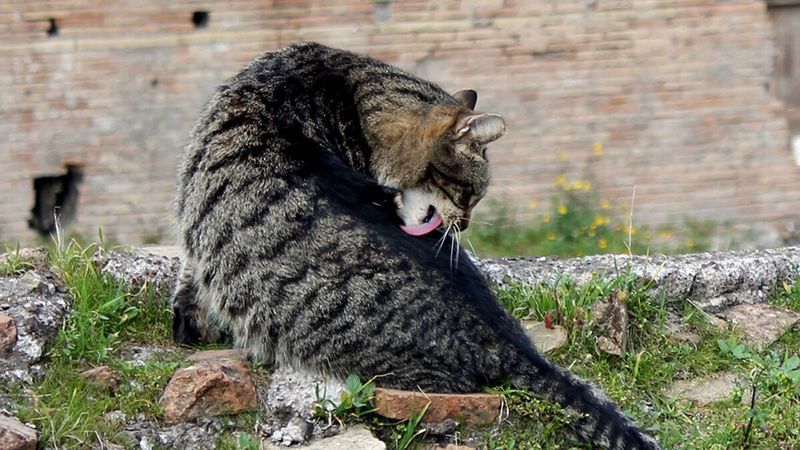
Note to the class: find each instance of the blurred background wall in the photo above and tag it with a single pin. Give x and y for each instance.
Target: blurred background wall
(688, 100)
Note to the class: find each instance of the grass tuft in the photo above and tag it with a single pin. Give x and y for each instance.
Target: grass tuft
(105, 315)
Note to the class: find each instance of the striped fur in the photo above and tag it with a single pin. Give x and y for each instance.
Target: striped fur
(286, 217)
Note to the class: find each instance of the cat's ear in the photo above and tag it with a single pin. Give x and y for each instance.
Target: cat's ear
(467, 97)
(483, 128)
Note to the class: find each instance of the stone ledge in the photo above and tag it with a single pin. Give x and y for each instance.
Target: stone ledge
(713, 281)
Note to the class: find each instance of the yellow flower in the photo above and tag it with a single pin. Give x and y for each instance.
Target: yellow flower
(561, 155)
(546, 218)
(602, 243)
(604, 204)
(598, 149)
(532, 204)
(587, 186)
(561, 180)
(632, 231)
(551, 236)
(562, 209)
(664, 234)
(599, 221)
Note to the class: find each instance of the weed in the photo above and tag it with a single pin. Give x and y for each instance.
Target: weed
(407, 431)
(529, 423)
(13, 264)
(773, 374)
(354, 404)
(65, 407)
(789, 296)
(580, 223)
(638, 380)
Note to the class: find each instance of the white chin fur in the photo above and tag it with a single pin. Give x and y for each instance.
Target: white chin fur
(416, 203)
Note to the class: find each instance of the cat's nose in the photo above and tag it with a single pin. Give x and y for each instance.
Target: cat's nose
(463, 224)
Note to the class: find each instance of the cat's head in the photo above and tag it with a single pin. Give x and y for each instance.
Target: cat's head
(441, 166)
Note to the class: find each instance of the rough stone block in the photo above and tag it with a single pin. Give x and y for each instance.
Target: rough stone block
(469, 408)
(16, 436)
(209, 387)
(761, 324)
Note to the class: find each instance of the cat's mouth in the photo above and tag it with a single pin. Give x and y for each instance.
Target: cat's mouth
(430, 222)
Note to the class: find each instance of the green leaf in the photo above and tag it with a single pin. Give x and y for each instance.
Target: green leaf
(353, 383)
(791, 363)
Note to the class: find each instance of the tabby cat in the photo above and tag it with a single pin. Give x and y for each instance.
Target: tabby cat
(287, 216)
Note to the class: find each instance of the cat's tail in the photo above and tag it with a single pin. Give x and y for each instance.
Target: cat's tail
(598, 419)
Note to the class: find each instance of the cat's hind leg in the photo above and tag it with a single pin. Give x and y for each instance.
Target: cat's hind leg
(190, 324)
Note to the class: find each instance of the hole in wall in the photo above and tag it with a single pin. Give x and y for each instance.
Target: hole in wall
(55, 194)
(200, 19)
(382, 11)
(53, 30)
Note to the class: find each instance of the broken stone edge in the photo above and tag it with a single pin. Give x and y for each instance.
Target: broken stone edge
(713, 281)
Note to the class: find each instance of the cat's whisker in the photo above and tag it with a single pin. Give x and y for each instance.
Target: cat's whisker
(442, 241)
(458, 243)
(452, 241)
(480, 222)
(472, 248)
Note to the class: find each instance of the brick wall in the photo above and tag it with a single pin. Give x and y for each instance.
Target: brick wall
(671, 96)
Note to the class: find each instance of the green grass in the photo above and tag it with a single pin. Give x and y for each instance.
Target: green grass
(13, 264)
(579, 223)
(638, 380)
(105, 317)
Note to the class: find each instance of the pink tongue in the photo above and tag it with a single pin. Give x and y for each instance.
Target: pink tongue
(423, 228)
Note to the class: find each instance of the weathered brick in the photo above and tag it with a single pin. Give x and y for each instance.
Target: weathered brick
(465, 408)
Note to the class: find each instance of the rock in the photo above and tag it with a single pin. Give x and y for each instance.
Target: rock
(681, 335)
(37, 303)
(209, 387)
(31, 282)
(353, 438)
(297, 431)
(712, 281)
(717, 322)
(610, 323)
(199, 434)
(16, 436)
(544, 338)
(115, 416)
(448, 426)
(705, 390)
(8, 333)
(140, 355)
(29, 258)
(479, 409)
(291, 392)
(761, 324)
(102, 377)
(138, 268)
